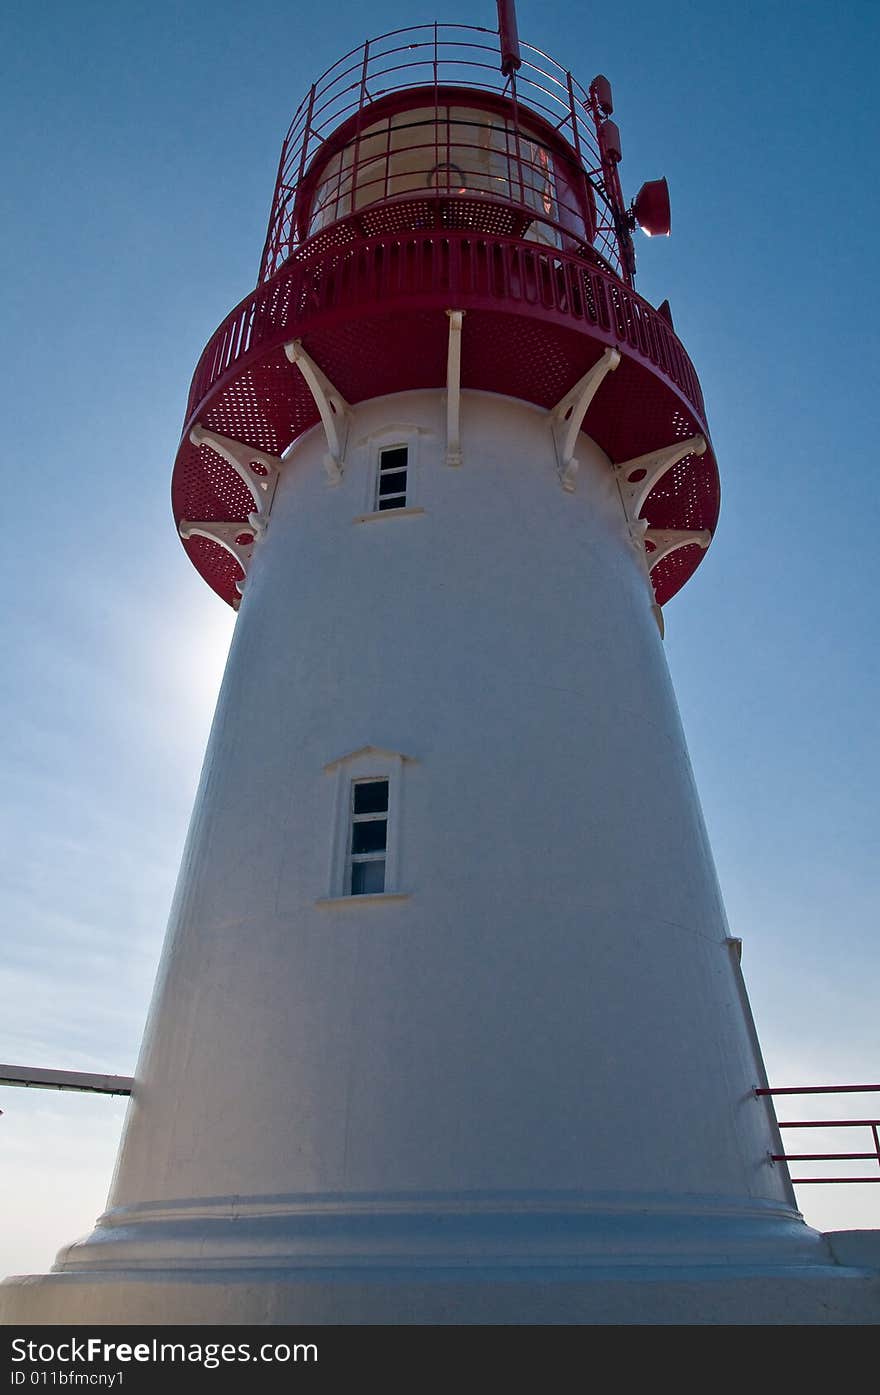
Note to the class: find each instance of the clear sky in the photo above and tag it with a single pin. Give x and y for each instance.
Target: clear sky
(139, 160)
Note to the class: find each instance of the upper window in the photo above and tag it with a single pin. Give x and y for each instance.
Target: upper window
(369, 837)
(391, 478)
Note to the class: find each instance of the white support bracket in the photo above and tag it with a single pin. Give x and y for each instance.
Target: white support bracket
(257, 468)
(453, 388)
(227, 535)
(668, 540)
(330, 403)
(635, 480)
(568, 415)
(637, 477)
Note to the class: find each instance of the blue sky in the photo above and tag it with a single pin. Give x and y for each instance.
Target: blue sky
(142, 141)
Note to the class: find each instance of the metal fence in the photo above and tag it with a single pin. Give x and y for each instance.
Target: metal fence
(871, 1126)
(434, 56)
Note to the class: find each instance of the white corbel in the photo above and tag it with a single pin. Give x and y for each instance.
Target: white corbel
(228, 536)
(330, 403)
(568, 415)
(666, 540)
(637, 477)
(453, 388)
(257, 468)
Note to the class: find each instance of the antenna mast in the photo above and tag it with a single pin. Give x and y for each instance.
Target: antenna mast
(508, 35)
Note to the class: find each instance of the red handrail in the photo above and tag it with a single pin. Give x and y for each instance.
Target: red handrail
(432, 54)
(872, 1124)
(342, 272)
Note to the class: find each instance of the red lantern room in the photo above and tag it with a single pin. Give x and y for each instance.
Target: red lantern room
(435, 167)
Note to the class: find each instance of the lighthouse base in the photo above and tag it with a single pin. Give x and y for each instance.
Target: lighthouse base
(811, 1295)
(471, 1260)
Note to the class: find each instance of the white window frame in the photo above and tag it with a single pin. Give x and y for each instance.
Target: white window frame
(365, 764)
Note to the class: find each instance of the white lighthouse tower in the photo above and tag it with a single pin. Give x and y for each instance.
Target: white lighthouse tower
(449, 1026)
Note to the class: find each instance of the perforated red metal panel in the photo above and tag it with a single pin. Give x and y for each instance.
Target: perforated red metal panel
(217, 565)
(670, 575)
(371, 313)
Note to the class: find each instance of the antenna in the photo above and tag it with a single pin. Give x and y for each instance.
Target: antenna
(508, 34)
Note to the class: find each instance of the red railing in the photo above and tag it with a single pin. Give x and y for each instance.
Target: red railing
(436, 55)
(339, 275)
(873, 1125)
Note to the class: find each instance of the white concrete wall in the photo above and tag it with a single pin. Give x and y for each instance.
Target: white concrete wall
(554, 1006)
(541, 1053)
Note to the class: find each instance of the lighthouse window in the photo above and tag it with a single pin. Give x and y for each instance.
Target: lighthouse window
(369, 836)
(391, 478)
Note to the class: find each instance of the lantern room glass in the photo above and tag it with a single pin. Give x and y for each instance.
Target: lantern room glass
(452, 150)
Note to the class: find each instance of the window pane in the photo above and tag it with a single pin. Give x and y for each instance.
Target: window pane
(397, 502)
(393, 483)
(367, 878)
(393, 459)
(369, 837)
(371, 797)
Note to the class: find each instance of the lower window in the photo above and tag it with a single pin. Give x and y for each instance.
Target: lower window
(368, 842)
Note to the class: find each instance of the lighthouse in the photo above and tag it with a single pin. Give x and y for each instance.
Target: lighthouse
(450, 1025)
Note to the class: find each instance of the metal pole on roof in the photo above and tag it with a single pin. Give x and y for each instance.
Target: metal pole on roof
(508, 35)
